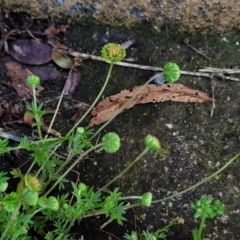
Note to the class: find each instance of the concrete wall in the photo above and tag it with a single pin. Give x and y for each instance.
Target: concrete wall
(189, 15)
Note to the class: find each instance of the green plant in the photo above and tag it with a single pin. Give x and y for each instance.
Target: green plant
(35, 201)
(204, 208)
(146, 235)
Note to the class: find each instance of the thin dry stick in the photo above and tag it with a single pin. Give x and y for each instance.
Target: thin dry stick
(196, 50)
(213, 95)
(110, 234)
(144, 67)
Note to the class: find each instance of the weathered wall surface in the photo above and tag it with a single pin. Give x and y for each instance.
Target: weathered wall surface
(187, 15)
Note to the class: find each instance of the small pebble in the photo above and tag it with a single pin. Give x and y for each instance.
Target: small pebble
(159, 80)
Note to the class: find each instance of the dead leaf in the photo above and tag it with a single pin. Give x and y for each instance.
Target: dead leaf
(2, 111)
(45, 72)
(151, 93)
(28, 118)
(72, 81)
(19, 76)
(51, 31)
(30, 51)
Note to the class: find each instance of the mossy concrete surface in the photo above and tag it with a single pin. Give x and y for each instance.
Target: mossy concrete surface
(214, 15)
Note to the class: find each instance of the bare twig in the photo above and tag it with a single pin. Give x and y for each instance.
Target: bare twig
(85, 56)
(213, 95)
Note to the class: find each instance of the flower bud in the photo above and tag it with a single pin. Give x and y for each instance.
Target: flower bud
(82, 187)
(42, 202)
(31, 198)
(147, 199)
(80, 130)
(152, 143)
(3, 186)
(53, 203)
(111, 142)
(32, 182)
(33, 80)
(66, 206)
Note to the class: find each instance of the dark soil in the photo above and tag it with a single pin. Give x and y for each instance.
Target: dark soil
(195, 147)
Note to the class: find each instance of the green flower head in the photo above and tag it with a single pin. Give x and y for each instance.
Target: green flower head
(152, 143)
(111, 142)
(113, 52)
(171, 72)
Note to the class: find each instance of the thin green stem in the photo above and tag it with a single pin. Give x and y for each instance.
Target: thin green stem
(72, 166)
(125, 169)
(34, 213)
(36, 115)
(96, 99)
(199, 183)
(200, 228)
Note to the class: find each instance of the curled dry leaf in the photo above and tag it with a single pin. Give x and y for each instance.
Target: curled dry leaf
(19, 76)
(151, 93)
(30, 51)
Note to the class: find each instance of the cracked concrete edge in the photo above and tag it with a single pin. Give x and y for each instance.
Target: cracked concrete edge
(185, 15)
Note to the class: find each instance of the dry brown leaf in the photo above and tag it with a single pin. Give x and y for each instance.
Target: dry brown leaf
(151, 93)
(19, 76)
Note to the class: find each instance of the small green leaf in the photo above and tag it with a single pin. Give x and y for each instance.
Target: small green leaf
(3, 146)
(195, 234)
(133, 236)
(11, 201)
(16, 173)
